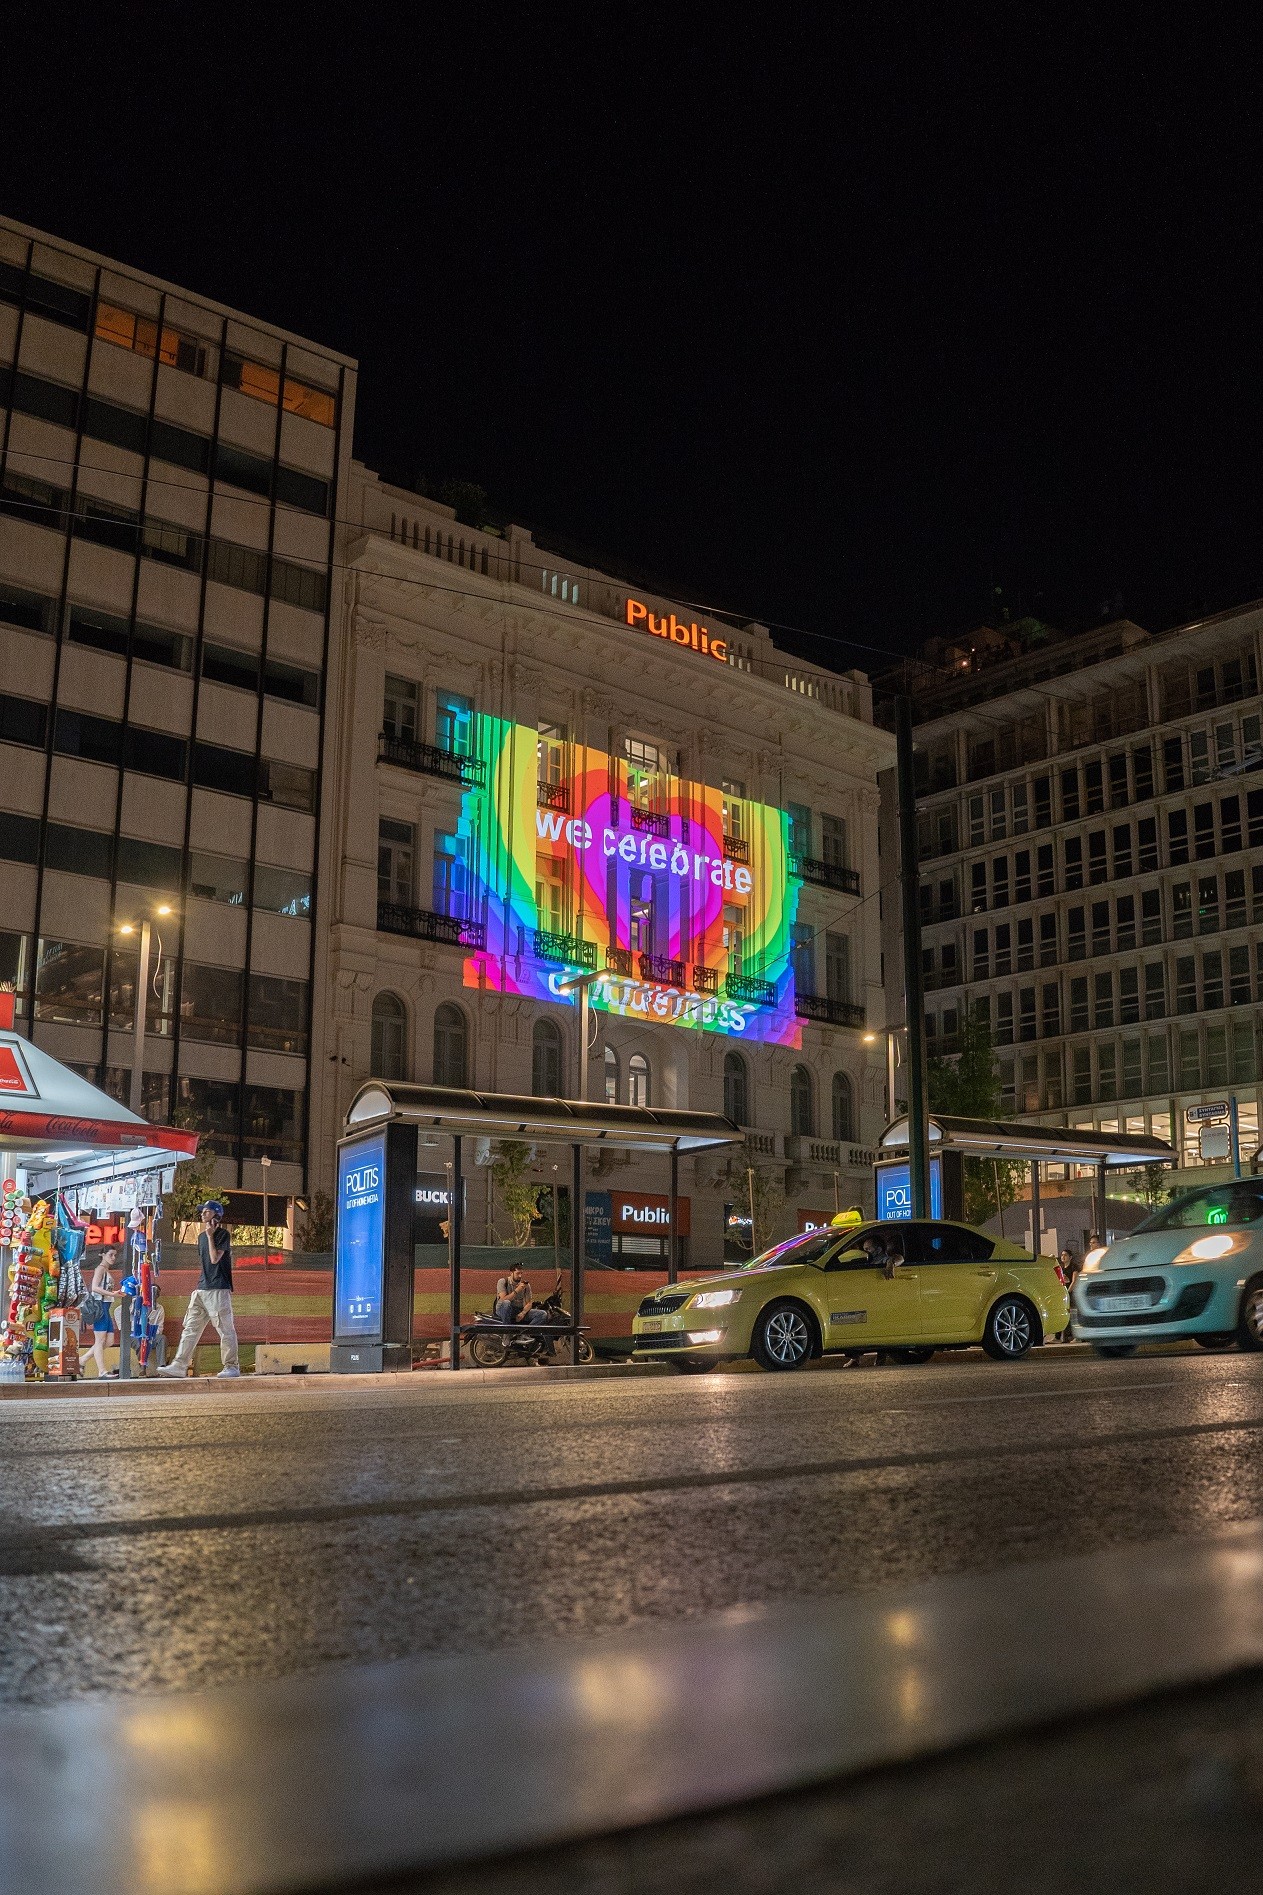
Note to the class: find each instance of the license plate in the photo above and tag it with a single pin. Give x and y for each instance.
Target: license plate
(1119, 1305)
(650, 1327)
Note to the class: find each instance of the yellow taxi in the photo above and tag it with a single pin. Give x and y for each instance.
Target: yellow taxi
(907, 1288)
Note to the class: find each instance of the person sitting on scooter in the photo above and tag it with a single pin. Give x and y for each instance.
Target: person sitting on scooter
(515, 1303)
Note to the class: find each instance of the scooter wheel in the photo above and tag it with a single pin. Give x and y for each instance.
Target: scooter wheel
(489, 1351)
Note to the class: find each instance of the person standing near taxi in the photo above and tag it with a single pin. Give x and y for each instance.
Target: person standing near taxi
(211, 1301)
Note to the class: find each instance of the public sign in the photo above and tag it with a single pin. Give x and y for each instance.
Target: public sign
(666, 625)
(894, 1190)
(1206, 1114)
(361, 1240)
(1214, 1142)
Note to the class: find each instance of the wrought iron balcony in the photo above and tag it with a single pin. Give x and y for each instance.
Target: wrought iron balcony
(553, 795)
(651, 822)
(828, 1012)
(705, 980)
(736, 848)
(619, 961)
(422, 924)
(568, 949)
(657, 967)
(430, 760)
(825, 874)
(749, 992)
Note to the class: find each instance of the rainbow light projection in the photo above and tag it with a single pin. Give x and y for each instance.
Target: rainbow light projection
(626, 883)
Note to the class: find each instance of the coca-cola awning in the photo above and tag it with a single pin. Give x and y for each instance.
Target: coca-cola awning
(49, 1113)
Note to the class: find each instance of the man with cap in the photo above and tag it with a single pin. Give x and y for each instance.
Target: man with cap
(211, 1301)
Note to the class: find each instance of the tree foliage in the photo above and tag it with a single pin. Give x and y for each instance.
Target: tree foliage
(966, 1085)
(316, 1230)
(194, 1183)
(518, 1195)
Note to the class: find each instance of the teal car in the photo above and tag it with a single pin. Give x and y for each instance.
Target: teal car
(1193, 1269)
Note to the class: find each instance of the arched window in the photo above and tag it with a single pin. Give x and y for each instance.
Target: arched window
(451, 1046)
(736, 1090)
(802, 1105)
(390, 1038)
(611, 1076)
(546, 1060)
(638, 1080)
(843, 1107)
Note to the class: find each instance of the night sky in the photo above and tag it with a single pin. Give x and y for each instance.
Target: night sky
(842, 328)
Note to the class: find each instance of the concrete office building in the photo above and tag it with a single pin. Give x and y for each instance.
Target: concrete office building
(170, 475)
(540, 772)
(1091, 817)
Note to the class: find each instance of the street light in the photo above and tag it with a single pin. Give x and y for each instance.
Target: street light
(889, 1034)
(569, 983)
(162, 911)
(266, 1164)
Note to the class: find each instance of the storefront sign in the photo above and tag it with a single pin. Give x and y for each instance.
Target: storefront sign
(597, 1228)
(646, 880)
(894, 1189)
(646, 1214)
(13, 1074)
(361, 1231)
(666, 625)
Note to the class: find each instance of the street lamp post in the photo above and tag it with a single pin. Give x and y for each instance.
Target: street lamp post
(579, 982)
(266, 1165)
(137, 1094)
(890, 1035)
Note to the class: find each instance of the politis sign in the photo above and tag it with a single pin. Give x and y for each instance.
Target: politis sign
(667, 625)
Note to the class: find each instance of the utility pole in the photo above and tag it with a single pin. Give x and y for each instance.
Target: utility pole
(914, 996)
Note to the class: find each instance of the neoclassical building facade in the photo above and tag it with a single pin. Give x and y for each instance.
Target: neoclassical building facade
(539, 775)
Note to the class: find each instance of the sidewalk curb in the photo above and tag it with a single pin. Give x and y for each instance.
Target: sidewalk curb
(441, 1380)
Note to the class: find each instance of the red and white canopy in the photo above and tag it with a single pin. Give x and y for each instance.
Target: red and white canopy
(50, 1116)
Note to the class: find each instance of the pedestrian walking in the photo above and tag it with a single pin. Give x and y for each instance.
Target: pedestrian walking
(101, 1294)
(211, 1301)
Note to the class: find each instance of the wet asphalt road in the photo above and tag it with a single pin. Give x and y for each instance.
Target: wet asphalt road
(179, 1540)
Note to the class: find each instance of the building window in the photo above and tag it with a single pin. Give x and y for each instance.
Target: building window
(69, 983)
(451, 1046)
(388, 1059)
(396, 862)
(551, 755)
(611, 1076)
(736, 1089)
(550, 894)
(833, 841)
(734, 938)
(399, 710)
(451, 880)
(644, 762)
(210, 1002)
(799, 830)
(546, 1060)
(802, 1105)
(843, 1108)
(638, 1080)
(454, 724)
(803, 958)
(734, 817)
(837, 967)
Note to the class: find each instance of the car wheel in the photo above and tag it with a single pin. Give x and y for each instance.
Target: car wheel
(489, 1350)
(910, 1355)
(1114, 1349)
(1012, 1329)
(783, 1337)
(1250, 1320)
(1214, 1342)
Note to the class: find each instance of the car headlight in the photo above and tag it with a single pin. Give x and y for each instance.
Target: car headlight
(1093, 1259)
(715, 1299)
(1220, 1243)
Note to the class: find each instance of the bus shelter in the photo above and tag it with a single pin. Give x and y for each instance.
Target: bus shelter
(952, 1140)
(376, 1179)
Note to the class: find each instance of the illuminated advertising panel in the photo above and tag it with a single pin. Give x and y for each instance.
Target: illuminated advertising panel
(894, 1189)
(681, 901)
(361, 1238)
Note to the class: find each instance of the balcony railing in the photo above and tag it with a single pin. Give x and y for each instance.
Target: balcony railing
(736, 849)
(657, 967)
(553, 795)
(825, 874)
(828, 1012)
(750, 992)
(619, 961)
(429, 760)
(705, 980)
(809, 1150)
(651, 822)
(422, 924)
(568, 949)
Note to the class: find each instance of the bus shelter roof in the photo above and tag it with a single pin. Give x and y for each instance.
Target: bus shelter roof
(457, 1113)
(1042, 1144)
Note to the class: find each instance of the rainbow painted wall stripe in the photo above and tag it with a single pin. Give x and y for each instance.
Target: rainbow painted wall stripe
(616, 884)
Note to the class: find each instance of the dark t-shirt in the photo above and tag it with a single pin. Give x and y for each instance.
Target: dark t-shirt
(216, 1269)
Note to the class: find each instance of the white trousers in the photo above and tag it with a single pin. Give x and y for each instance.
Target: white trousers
(208, 1306)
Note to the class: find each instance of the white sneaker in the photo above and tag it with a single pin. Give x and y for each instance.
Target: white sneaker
(227, 1373)
(173, 1368)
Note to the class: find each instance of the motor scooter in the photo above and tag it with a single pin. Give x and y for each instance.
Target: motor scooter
(492, 1343)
